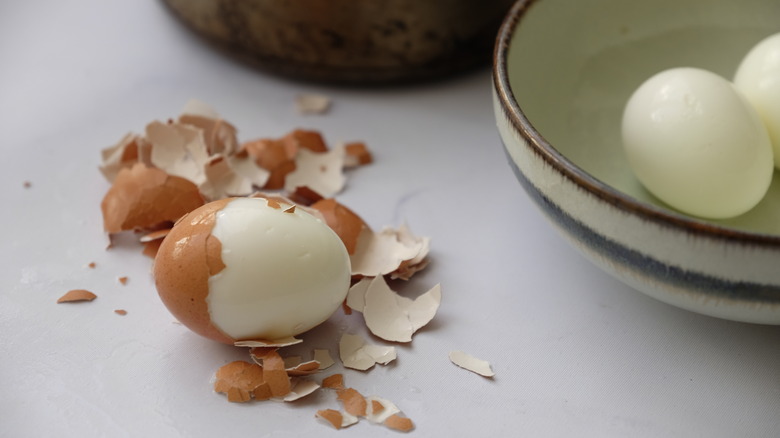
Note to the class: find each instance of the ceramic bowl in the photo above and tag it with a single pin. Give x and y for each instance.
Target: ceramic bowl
(563, 72)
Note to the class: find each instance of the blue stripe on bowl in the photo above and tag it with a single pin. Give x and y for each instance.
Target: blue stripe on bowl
(646, 267)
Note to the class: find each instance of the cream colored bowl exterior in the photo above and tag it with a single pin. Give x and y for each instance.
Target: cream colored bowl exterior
(688, 263)
(718, 276)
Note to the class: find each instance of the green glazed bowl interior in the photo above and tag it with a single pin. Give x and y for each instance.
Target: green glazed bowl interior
(572, 65)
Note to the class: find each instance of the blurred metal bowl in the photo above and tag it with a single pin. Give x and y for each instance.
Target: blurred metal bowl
(351, 41)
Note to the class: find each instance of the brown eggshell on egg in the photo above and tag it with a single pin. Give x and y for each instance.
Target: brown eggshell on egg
(346, 223)
(188, 255)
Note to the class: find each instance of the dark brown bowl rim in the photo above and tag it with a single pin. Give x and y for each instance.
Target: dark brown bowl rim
(574, 173)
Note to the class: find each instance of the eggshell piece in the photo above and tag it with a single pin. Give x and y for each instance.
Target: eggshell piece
(304, 139)
(346, 223)
(275, 374)
(323, 357)
(154, 235)
(197, 107)
(332, 416)
(335, 381)
(357, 154)
(302, 369)
(471, 363)
(238, 380)
(304, 196)
(144, 197)
(389, 251)
(300, 388)
(338, 420)
(76, 295)
(357, 354)
(356, 297)
(131, 149)
(380, 409)
(396, 318)
(178, 149)
(151, 247)
(218, 134)
(401, 424)
(354, 402)
(272, 156)
(320, 171)
(182, 264)
(312, 103)
(261, 343)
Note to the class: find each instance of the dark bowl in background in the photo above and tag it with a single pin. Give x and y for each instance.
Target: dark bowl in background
(351, 41)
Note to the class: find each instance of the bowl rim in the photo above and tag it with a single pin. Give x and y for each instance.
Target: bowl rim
(547, 152)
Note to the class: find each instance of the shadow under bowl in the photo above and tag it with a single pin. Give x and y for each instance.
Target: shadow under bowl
(562, 74)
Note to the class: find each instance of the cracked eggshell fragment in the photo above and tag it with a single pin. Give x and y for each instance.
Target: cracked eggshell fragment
(131, 149)
(178, 149)
(245, 269)
(337, 419)
(353, 401)
(219, 135)
(357, 154)
(380, 409)
(196, 107)
(356, 297)
(271, 155)
(346, 223)
(336, 381)
(322, 357)
(401, 424)
(319, 171)
(76, 295)
(144, 197)
(238, 380)
(275, 374)
(300, 388)
(471, 363)
(302, 369)
(152, 242)
(355, 353)
(223, 180)
(303, 139)
(312, 103)
(393, 317)
(388, 251)
(276, 343)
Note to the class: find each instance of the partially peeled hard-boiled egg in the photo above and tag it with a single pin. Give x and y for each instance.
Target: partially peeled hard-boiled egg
(242, 269)
(758, 78)
(696, 143)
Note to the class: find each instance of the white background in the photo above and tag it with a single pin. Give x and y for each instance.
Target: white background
(575, 352)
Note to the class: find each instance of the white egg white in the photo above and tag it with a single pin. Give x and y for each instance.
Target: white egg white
(285, 273)
(696, 143)
(758, 78)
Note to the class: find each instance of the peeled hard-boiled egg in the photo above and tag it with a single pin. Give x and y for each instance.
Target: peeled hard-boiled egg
(242, 269)
(758, 78)
(696, 143)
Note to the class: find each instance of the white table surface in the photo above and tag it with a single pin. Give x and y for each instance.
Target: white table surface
(576, 353)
